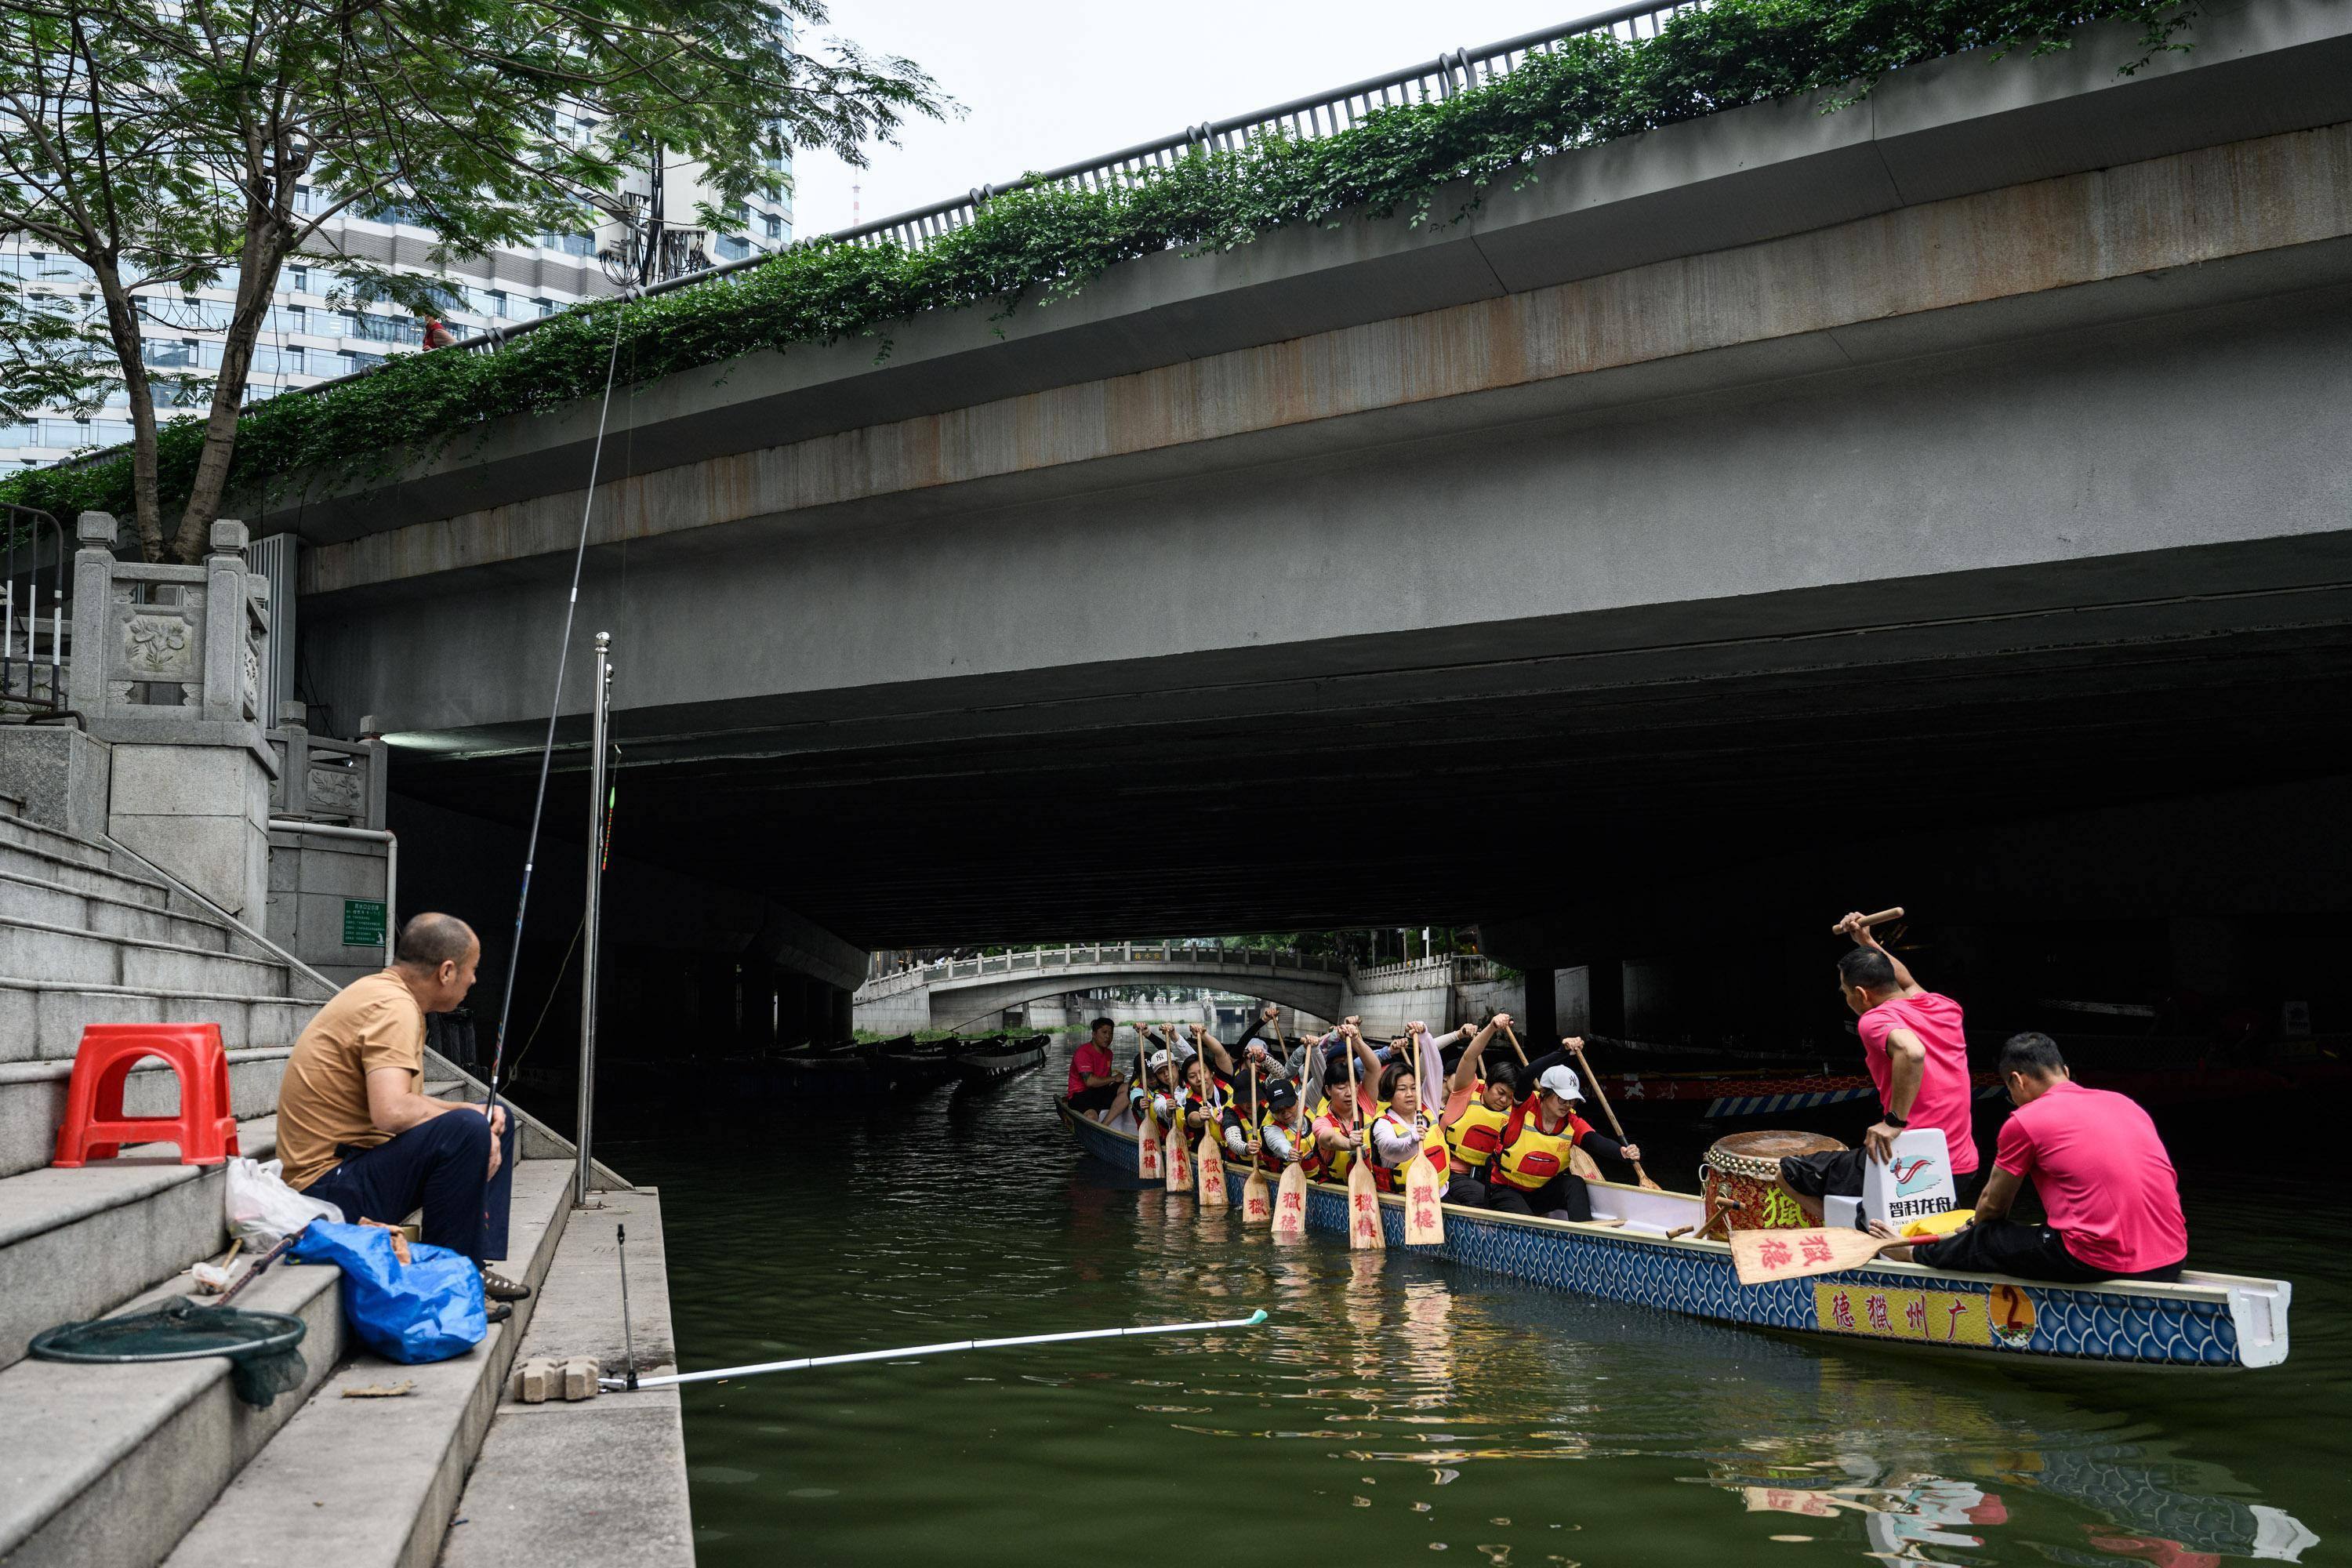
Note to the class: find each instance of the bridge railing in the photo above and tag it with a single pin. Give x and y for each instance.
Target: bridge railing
(1240, 961)
(1317, 115)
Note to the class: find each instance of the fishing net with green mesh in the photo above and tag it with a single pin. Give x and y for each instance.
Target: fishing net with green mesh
(264, 1361)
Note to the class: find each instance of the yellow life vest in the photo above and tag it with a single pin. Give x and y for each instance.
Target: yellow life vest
(1535, 1156)
(1433, 1146)
(1337, 1162)
(1476, 1134)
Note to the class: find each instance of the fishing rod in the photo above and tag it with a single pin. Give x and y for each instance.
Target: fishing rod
(805, 1362)
(554, 707)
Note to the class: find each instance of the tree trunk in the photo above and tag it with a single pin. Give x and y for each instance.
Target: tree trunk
(130, 350)
(257, 282)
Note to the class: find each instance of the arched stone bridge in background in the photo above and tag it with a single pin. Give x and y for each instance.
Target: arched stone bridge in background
(948, 992)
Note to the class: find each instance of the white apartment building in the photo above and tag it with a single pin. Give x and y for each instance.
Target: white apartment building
(307, 340)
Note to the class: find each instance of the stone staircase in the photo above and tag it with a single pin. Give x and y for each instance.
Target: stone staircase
(134, 1465)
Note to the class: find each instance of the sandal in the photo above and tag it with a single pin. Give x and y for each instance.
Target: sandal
(498, 1287)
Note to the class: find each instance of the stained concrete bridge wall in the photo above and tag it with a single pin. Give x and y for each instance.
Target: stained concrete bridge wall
(2011, 336)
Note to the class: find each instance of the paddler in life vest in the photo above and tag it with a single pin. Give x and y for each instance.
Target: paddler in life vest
(1915, 1046)
(1475, 1133)
(1280, 1137)
(1338, 1126)
(1203, 1099)
(1530, 1170)
(1155, 1092)
(1403, 1130)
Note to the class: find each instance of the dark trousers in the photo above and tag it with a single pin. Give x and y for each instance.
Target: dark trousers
(438, 1166)
(1565, 1192)
(2026, 1251)
(1096, 1099)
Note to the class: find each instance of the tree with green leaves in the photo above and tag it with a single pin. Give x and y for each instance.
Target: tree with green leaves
(160, 144)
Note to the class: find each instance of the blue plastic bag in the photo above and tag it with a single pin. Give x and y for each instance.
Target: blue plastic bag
(428, 1308)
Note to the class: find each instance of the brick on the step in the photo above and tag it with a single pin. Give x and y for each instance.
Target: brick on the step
(535, 1380)
(580, 1374)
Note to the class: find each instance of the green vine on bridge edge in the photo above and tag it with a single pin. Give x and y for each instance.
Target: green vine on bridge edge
(1045, 243)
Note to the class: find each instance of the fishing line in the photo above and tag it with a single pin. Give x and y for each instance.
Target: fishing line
(562, 660)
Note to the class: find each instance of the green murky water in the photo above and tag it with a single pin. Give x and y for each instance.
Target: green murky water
(1394, 1409)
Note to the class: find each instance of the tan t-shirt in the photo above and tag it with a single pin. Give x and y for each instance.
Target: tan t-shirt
(322, 1101)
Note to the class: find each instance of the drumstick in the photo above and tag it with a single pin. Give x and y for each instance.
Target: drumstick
(1880, 919)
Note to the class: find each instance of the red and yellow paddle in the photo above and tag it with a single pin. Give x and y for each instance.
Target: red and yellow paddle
(1257, 1208)
(1425, 1172)
(1212, 1162)
(1364, 1233)
(1149, 1146)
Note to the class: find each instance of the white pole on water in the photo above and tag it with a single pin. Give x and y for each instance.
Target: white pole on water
(805, 1362)
(600, 701)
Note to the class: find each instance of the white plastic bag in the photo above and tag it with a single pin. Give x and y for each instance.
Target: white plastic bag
(262, 1210)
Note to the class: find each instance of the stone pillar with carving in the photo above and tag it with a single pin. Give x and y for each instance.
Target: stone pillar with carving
(165, 670)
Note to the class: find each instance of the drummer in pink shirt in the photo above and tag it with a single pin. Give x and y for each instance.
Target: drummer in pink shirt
(1916, 1048)
(2105, 1181)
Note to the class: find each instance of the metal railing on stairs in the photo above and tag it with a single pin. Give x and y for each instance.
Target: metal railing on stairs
(36, 583)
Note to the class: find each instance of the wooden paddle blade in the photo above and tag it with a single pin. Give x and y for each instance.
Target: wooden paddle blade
(1147, 1150)
(1179, 1160)
(1257, 1199)
(1211, 1164)
(1290, 1205)
(1580, 1164)
(1764, 1256)
(1364, 1234)
(1425, 1217)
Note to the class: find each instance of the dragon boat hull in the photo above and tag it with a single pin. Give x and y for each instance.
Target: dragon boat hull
(2206, 1319)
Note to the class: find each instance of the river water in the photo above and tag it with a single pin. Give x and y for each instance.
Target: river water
(1394, 1407)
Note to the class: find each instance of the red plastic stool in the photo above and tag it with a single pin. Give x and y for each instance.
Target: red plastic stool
(95, 1127)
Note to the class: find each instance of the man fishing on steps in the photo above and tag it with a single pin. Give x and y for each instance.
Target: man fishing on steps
(1917, 1053)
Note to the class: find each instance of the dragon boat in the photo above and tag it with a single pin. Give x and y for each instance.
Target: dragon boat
(1629, 1254)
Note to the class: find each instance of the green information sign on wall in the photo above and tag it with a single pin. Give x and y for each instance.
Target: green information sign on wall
(364, 922)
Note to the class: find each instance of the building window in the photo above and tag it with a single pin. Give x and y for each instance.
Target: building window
(544, 306)
(775, 226)
(733, 248)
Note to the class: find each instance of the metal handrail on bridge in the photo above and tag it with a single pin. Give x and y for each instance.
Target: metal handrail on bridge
(1317, 115)
(1088, 956)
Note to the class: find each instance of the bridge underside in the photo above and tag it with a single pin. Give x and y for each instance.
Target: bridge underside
(1810, 670)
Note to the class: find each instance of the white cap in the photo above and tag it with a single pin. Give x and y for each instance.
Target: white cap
(1156, 1061)
(1561, 1081)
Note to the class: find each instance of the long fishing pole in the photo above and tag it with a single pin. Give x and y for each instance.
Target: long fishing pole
(805, 1362)
(547, 749)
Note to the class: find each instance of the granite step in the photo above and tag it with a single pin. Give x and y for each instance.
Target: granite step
(113, 1464)
(373, 1483)
(553, 1478)
(32, 1099)
(15, 830)
(62, 952)
(103, 914)
(21, 861)
(74, 1243)
(42, 1020)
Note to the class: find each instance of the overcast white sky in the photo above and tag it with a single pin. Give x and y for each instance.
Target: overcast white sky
(1050, 81)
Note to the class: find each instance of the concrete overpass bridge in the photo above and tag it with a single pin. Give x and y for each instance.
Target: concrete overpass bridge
(948, 992)
(1959, 483)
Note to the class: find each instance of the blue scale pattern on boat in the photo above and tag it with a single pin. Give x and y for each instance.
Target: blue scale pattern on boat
(2092, 1325)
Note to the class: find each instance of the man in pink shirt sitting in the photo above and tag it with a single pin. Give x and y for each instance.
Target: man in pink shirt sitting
(2105, 1181)
(1916, 1048)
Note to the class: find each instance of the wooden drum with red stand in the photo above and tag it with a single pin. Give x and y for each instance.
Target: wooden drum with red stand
(1738, 1180)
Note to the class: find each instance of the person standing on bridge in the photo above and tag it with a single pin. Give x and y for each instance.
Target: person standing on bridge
(1914, 1044)
(1095, 1079)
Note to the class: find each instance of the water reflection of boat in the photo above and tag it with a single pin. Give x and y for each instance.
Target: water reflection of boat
(2207, 1319)
(1902, 1512)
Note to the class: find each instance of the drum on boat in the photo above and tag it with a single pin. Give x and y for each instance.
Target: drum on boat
(1738, 1180)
